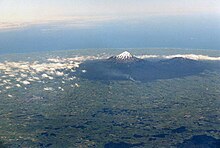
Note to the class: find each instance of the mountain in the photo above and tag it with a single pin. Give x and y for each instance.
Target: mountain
(127, 67)
(124, 57)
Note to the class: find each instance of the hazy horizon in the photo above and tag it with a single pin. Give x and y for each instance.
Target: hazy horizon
(30, 26)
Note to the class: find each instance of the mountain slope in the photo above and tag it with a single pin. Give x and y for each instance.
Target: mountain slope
(129, 67)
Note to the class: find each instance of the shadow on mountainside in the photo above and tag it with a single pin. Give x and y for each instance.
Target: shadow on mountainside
(142, 70)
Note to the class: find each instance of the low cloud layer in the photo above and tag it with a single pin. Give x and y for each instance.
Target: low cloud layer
(187, 56)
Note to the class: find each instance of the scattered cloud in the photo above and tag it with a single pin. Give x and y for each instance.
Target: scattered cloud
(23, 73)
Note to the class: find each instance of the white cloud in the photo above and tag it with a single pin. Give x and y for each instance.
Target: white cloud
(48, 88)
(23, 72)
(26, 82)
(187, 56)
(148, 56)
(10, 96)
(193, 57)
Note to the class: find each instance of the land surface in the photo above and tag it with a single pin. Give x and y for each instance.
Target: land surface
(74, 111)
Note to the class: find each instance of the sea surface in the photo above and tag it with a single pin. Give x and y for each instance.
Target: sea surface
(44, 102)
(196, 32)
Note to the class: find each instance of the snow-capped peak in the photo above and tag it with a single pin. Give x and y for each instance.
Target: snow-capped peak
(124, 55)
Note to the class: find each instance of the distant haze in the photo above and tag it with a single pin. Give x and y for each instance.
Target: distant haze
(27, 25)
